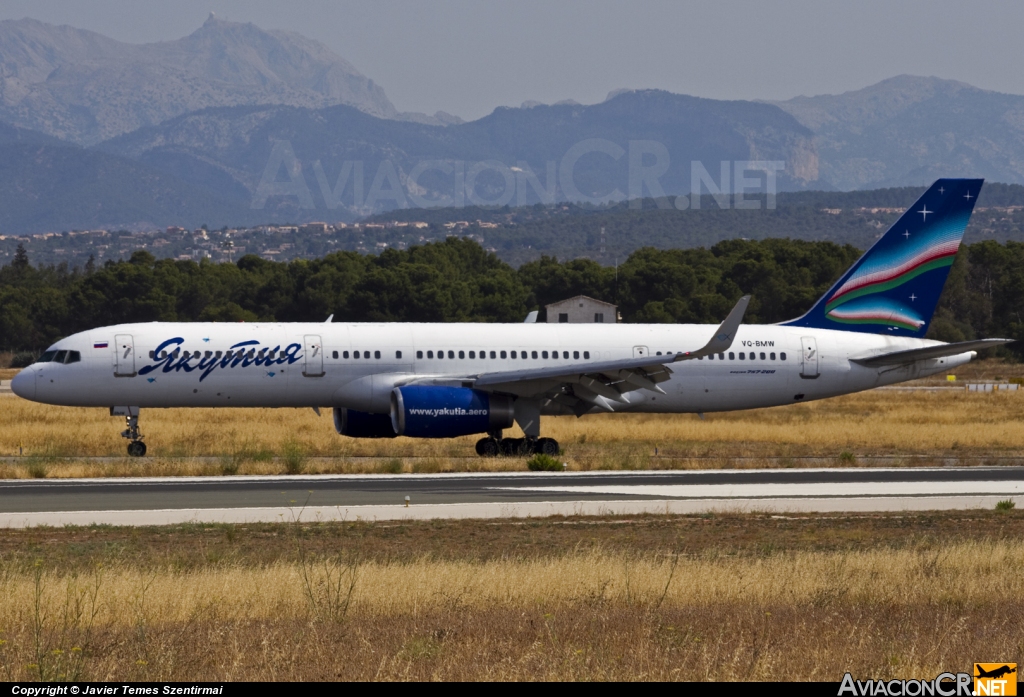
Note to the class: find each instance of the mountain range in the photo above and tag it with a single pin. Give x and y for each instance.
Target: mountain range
(234, 124)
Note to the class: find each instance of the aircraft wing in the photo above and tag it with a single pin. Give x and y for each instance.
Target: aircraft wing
(920, 354)
(582, 387)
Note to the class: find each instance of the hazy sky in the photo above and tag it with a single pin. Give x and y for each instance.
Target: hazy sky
(467, 57)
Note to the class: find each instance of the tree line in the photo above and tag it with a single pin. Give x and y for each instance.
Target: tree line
(456, 280)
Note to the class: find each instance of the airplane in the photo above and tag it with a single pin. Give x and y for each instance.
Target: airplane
(385, 380)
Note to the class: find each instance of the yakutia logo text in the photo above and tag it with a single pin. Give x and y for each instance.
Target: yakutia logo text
(240, 355)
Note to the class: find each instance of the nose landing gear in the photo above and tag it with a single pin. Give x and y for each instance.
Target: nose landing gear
(136, 448)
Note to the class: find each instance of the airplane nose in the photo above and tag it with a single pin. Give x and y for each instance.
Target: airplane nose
(24, 384)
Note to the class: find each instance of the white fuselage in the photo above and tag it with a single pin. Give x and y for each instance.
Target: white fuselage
(305, 364)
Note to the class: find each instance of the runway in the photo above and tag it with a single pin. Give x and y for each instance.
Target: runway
(240, 499)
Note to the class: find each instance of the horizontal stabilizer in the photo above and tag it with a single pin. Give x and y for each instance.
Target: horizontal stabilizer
(921, 354)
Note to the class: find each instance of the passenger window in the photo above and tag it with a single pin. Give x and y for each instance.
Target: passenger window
(543, 354)
(762, 356)
(398, 354)
(440, 355)
(219, 354)
(462, 354)
(782, 356)
(565, 354)
(430, 354)
(742, 357)
(73, 357)
(575, 354)
(586, 354)
(658, 353)
(721, 356)
(493, 356)
(513, 354)
(711, 356)
(152, 355)
(344, 354)
(503, 354)
(472, 354)
(335, 354)
(61, 355)
(419, 354)
(534, 354)
(451, 354)
(209, 354)
(355, 354)
(732, 356)
(376, 354)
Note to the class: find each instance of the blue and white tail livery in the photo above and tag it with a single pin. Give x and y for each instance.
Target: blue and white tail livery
(452, 380)
(895, 287)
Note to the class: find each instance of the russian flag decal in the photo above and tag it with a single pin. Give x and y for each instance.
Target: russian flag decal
(100, 344)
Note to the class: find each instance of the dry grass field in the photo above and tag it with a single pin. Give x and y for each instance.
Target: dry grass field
(751, 597)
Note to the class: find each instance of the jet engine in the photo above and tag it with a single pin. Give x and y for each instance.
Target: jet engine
(359, 424)
(425, 411)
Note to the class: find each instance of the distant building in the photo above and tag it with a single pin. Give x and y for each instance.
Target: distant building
(582, 310)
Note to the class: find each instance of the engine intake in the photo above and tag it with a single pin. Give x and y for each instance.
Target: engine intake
(359, 424)
(424, 411)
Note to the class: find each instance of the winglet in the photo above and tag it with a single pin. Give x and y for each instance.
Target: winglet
(532, 317)
(724, 335)
(329, 319)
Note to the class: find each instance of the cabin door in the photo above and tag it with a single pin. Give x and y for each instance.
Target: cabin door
(124, 356)
(809, 364)
(313, 356)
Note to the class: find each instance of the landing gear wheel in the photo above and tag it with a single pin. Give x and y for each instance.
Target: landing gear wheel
(136, 448)
(513, 447)
(487, 447)
(547, 446)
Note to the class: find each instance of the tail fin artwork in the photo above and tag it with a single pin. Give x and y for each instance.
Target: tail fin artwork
(893, 289)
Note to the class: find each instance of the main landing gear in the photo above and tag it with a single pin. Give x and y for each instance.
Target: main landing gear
(136, 448)
(494, 445)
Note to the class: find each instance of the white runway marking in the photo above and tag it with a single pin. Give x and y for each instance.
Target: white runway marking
(820, 490)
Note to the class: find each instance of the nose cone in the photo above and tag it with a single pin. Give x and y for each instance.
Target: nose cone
(24, 384)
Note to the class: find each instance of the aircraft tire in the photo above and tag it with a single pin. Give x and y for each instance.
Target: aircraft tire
(512, 447)
(136, 448)
(548, 446)
(487, 447)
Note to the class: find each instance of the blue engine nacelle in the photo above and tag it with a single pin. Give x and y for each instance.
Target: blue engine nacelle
(359, 424)
(424, 411)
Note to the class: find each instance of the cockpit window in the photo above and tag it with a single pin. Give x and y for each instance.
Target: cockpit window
(61, 355)
(47, 357)
(73, 357)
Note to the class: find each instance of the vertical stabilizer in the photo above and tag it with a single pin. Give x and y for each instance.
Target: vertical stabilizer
(894, 288)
